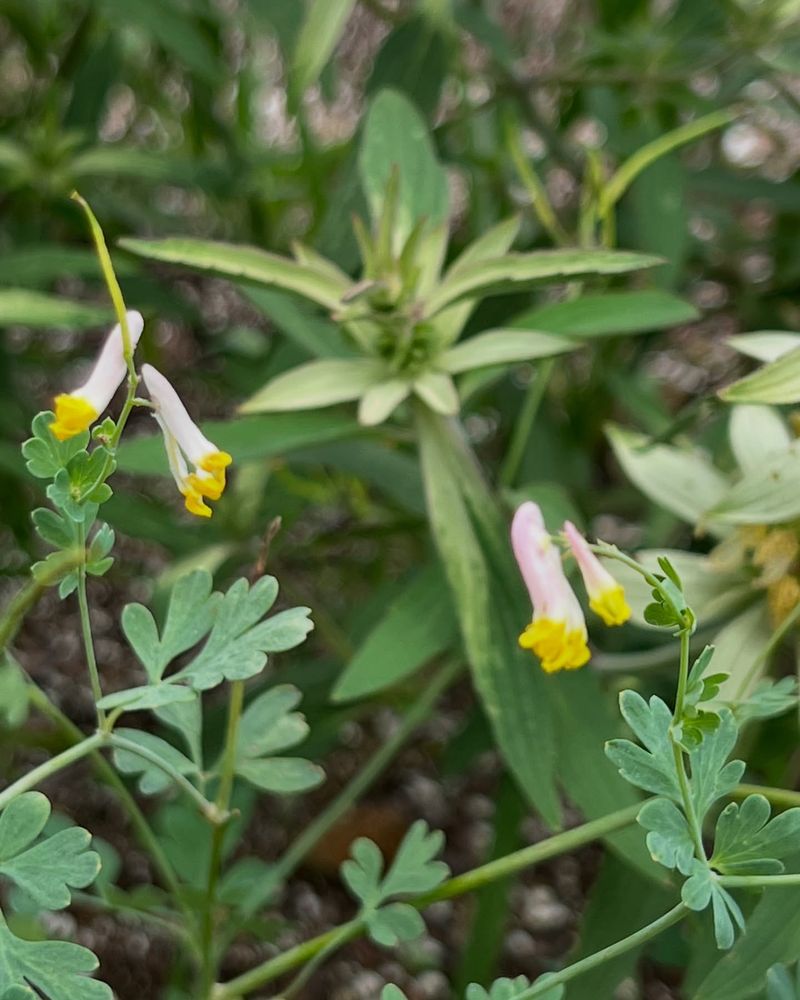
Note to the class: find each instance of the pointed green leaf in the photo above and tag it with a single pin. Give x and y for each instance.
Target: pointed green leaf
(682, 481)
(768, 493)
(438, 390)
(322, 27)
(776, 382)
(755, 433)
(396, 138)
(25, 307)
(609, 314)
(669, 839)
(503, 347)
(246, 263)
(514, 272)
(766, 345)
(317, 383)
(418, 625)
(381, 400)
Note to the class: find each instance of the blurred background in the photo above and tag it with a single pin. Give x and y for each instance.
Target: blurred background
(232, 119)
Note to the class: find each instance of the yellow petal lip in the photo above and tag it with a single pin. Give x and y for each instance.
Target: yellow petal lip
(195, 505)
(611, 605)
(206, 486)
(74, 414)
(216, 462)
(557, 646)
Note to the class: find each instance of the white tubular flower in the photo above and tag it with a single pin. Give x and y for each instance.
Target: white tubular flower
(606, 595)
(557, 632)
(76, 411)
(186, 444)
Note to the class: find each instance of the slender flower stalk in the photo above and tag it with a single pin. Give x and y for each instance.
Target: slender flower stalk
(557, 633)
(606, 595)
(76, 411)
(186, 444)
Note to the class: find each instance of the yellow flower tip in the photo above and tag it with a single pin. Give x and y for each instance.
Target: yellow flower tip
(205, 486)
(195, 504)
(216, 463)
(557, 647)
(611, 605)
(73, 415)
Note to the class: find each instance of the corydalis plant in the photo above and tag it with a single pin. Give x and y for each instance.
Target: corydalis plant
(228, 636)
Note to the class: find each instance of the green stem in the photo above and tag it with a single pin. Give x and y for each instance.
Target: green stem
(677, 749)
(457, 886)
(585, 965)
(683, 677)
(757, 881)
(144, 832)
(224, 792)
(311, 967)
(86, 628)
(525, 421)
(208, 809)
(350, 794)
(29, 594)
(540, 202)
(783, 798)
(39, 774)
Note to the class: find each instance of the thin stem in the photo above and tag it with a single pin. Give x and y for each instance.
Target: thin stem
(677, 750)
(30, 593)
(540, 202)
(757, 881)
(350, 794)
(208, 809)
(86, 628)
(457, 886)
(224, 792)
(526, 857)
(311, 967)
(683, 677)
(144, 832)
(783, 798)
(50, 767)
(635, 940)
(525, 421)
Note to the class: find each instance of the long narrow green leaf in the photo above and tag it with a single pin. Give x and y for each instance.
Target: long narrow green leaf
(317, 383)
(246, 439)
(497, 347)
(777, 382)
(23, 307)
(652, 151)
(514, 272)
(417, 626)
(238, 261)
(512, 692)
(321, 30)
(609, 314)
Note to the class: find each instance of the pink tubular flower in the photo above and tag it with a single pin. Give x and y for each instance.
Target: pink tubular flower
(557, 633)
(606, 595)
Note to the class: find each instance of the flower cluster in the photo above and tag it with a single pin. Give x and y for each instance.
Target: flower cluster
(185, 443)
(557, 634)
